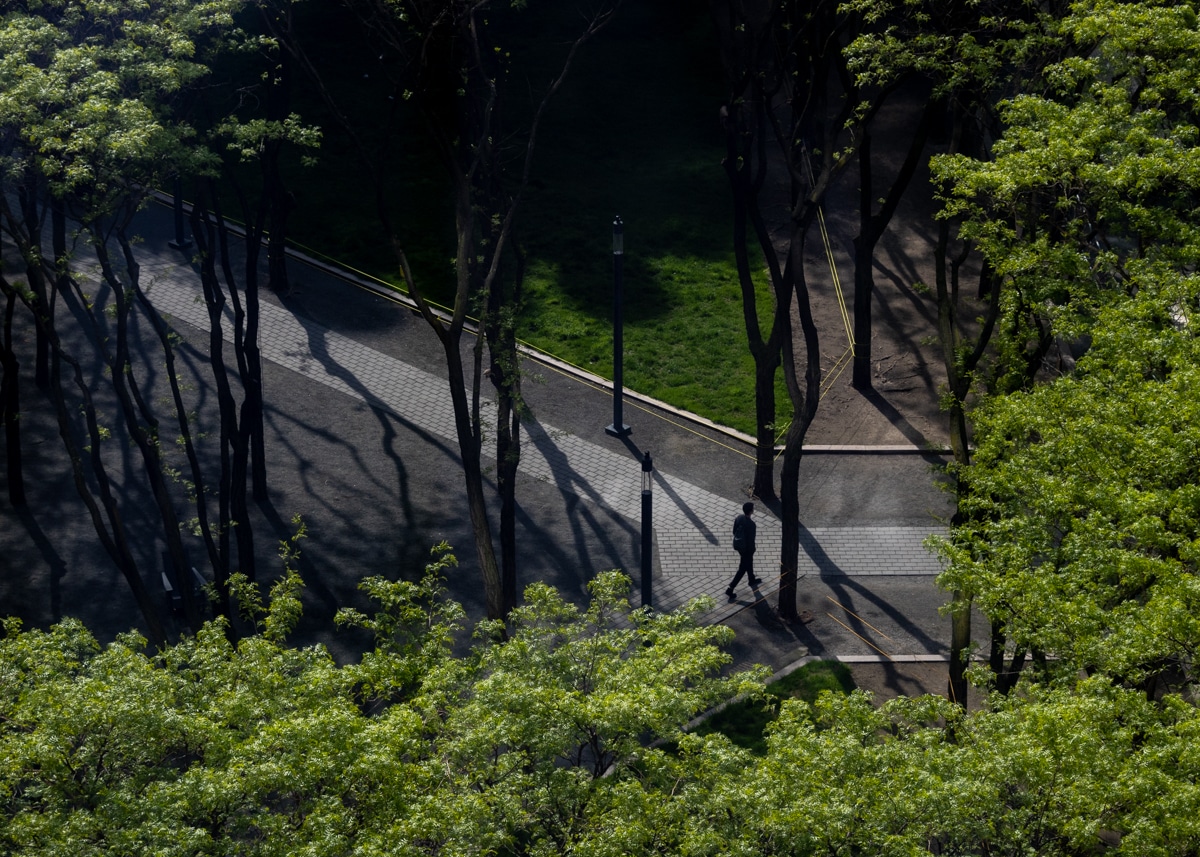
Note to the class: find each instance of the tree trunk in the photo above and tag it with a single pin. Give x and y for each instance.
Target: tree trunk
(504, 370)
(764, 438)
(31, 215)
(804, 398)
(242, 429)
(10, 405)
(217, 561)
(864, 272)
(871, 229)
(58, 232)
(252, 421)
(246, 431)
(508, 456)
(140, 421)
(745, 167)
(789, 552)
(100, 501)
(470, 448)
(214, 299)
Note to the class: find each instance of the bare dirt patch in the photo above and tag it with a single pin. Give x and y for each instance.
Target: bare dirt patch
(908, 374)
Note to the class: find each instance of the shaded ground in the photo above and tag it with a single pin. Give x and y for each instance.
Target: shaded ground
(885, 680)
(908, 374)
(376, 492)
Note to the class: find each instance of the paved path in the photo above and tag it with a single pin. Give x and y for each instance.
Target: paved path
(691, 524)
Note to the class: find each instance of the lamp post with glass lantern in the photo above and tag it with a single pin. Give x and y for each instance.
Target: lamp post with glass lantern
(618, 427)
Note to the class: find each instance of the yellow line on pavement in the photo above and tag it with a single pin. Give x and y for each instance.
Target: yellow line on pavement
(860, 636)
(859, 618)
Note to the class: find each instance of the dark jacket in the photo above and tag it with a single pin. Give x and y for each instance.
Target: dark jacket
(744, 529)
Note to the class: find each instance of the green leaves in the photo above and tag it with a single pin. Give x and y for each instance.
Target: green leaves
(544, 744)
(249, 138)
(260, 749)
(1079, 512)
(1082, 518)
(86, 92)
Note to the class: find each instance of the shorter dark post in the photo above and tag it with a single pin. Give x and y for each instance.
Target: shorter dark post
(181, 242)
(618, 427)
(647, 530)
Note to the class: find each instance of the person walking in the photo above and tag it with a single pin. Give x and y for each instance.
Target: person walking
(744, 529)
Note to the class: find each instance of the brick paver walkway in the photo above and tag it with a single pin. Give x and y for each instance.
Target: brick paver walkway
(691, 524)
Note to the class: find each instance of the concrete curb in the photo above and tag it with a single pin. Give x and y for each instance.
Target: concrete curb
(366, 282)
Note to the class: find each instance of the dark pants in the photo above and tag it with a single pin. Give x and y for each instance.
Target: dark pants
(745, 567)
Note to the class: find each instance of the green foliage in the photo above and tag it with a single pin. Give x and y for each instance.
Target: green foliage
(413, 628)
(256, 748)
(1092, 178)
(963, 48)
(86, 91)
(542, 744)
(746, 722)
(1084, 515)
(1081, 518)
(279, 616)
(249, 138)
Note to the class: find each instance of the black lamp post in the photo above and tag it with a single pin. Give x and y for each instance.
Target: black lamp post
(647, 529)
(618, 427)
(181, 242)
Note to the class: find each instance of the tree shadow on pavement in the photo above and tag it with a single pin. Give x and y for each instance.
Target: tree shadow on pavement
(846, 587)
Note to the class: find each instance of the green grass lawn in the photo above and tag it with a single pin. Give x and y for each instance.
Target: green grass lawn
(744, 723)
(634, 133)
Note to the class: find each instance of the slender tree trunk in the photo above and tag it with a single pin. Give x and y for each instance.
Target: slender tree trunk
(250, 451)
(765, 412)
(28, 192)
(864, 272)
(10, 405)
(469, 444)
(745, 167)
(139, 419)
(504, 370)
(233, 513)
(58, 232)
(199, 481)
(871, 229)
(804, 396)
(245, 348)
(508, 456)
(78, 415)
(252, 420)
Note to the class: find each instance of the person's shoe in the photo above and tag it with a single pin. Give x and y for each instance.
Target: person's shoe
(756, 581)
(730, 593)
